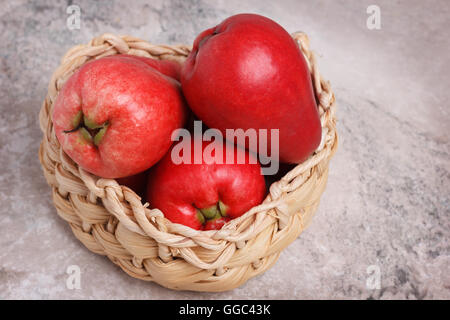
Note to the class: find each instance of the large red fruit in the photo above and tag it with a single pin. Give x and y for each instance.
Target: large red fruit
(205, 196)
(248, 72)
(115, 115)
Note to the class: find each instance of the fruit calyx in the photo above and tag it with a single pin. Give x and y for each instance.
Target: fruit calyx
(211, 213)
(90, 130)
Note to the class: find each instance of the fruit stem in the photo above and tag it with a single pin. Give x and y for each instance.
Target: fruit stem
(200, 217)
(210, 213)
(77, 119)
(100, 134)
(76, 122)
(85, 133)
(91, 124)
(223, 208)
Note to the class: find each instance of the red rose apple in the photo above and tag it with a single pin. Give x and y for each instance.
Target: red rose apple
(205, 196)
(248, 72)
(115, 115)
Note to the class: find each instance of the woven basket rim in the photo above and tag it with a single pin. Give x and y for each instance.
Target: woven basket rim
(124, 206)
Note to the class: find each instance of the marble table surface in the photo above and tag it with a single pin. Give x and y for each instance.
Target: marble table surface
(385, 214)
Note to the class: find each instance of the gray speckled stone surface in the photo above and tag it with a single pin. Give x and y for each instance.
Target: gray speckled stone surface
(387, 200)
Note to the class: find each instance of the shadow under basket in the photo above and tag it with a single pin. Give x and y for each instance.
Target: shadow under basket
(110, 219)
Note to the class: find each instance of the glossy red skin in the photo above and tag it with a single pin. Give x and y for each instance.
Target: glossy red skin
(143, 108)
(177, 190)
(251, 74)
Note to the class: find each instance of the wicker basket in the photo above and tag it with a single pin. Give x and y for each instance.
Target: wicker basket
(110, 219)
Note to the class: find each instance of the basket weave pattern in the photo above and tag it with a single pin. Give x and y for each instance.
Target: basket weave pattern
(110, 219)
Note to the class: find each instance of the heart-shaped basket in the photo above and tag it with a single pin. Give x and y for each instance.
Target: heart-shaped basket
(110, 219)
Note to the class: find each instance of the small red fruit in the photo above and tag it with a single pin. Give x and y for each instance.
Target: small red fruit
(204, 196)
